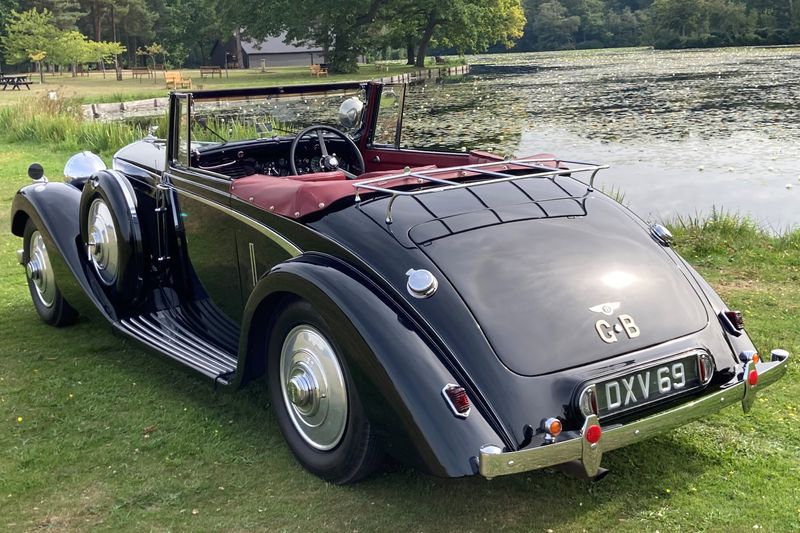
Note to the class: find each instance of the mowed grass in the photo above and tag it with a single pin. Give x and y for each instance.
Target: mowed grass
(96, 89)
(99, 434)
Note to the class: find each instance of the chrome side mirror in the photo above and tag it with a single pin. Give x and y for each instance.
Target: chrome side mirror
(36, 173)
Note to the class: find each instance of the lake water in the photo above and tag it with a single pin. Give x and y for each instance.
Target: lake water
(685, 132)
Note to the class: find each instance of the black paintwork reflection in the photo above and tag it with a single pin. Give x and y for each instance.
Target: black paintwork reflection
(531, 279)
(210, 236)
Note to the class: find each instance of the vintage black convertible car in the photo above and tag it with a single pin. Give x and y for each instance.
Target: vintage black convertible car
(463, 312)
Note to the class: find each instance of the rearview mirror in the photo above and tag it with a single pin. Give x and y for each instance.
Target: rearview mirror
(36, 172)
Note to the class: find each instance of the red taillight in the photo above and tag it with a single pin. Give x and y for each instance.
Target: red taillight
(457, 398)
(752, 377)
(733, 322)
(593, 434)
(706, 367)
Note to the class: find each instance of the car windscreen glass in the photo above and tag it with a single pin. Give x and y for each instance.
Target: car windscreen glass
(390, 110)
(218, 121)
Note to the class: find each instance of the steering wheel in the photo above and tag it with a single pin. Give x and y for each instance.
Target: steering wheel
(328, 162)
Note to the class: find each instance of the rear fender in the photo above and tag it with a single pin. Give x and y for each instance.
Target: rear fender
(399, 376)
(55, 209)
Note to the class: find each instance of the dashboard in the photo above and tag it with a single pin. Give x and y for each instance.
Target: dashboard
(271, 157)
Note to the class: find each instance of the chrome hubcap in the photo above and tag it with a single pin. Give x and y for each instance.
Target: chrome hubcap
(39, 271)
(102, 247)
(313, 387)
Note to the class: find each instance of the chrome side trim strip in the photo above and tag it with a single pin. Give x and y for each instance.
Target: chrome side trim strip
(253, 268)
(493, 462)
(276, 237)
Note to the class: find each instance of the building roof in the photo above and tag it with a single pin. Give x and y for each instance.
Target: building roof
(275, 45)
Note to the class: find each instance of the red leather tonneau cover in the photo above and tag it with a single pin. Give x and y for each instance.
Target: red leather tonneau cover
(298, 196)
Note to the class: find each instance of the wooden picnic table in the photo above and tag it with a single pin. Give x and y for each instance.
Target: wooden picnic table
(15, 81)
(210, 70)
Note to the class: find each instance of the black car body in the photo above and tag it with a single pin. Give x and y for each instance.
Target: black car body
(465, 313)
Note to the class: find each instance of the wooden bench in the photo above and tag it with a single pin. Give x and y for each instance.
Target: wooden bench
(210, 70)
(175, 80)
(318, 70)
(141, 72)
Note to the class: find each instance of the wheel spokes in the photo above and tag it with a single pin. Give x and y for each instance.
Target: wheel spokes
(322, 146)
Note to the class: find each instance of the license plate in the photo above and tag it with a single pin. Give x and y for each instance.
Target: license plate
(648, 385)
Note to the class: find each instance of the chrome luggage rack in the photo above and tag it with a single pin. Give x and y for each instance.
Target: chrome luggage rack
(476, 170)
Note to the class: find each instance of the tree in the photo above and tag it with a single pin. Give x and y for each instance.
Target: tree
(553, 27)
(341, 28)
(191, 38)
(151, 51)
(104, 51)
(475, 25)
(66, 13)
(686, 18)
(466, 25)
(72, 48)
(29, 37)
(6, 7)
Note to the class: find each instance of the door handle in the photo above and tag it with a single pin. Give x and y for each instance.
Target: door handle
(376, 159)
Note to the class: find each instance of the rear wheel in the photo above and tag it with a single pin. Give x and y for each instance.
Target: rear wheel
(315, 401)
(48, 301)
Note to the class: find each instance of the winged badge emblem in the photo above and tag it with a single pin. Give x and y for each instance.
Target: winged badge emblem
(607, 308)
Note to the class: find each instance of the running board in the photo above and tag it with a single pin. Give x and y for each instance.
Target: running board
(169, 332)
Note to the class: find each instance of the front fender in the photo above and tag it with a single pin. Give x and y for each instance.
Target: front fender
(55, 209)
(398, 374)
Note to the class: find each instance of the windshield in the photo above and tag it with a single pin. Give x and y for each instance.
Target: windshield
(218, 121)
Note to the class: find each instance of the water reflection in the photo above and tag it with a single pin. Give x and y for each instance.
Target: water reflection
(684, 131)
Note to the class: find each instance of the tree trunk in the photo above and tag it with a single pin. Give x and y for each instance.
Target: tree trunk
(96, 19)
(409, 52)
(343, 56)
(238, 39)
(422, 51)
(116, 56)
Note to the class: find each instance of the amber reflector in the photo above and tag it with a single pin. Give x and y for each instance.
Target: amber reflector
(593, 434)
(756, 358)
(553, 426)
(752, 378)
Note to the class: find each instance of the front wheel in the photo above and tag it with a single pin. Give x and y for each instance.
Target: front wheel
(48, 301)
(315, 401)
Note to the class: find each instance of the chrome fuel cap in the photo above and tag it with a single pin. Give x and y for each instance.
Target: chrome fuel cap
(421, 283)
(661, 234)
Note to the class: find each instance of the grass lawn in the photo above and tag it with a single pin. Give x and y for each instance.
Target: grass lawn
(95, 89)
(97, 433)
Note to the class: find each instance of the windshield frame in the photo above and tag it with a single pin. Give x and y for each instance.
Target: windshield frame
(255, 94)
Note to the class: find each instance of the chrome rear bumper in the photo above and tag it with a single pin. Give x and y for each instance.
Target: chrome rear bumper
(494, 462)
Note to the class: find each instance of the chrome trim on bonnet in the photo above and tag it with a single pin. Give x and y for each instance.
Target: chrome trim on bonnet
(493, 462)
